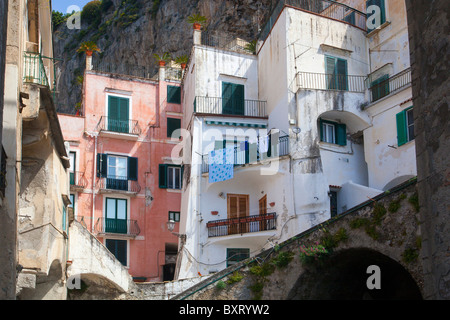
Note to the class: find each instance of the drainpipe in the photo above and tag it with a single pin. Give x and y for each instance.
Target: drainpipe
(93, 184)
(95, 136)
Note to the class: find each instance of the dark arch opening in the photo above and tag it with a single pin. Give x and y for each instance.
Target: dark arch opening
(344, 277)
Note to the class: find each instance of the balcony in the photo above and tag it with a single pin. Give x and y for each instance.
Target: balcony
(325, 8)
(118, 184)
(225, 107)
(249, 224)
(78, 181)
(242, 158)
(119, 129)
(127, 228)
(34, 70)
(335, 82)
(386, 86)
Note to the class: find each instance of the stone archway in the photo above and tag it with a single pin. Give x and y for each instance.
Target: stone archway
(344, 277)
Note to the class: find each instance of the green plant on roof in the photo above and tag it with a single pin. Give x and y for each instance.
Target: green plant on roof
(197, 20)
(88, 47)
(164, 57)
(181, 59)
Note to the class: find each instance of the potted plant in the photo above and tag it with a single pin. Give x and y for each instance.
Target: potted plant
(162, 59)
(182, 60)
(197, 21)
(78, 108)
(88, 47)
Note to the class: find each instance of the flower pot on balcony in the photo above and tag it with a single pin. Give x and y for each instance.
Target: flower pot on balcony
(162, 63)
(197, 26)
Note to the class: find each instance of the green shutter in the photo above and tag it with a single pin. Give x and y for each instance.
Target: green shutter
(239, 99)
(124, 115)
(173, 94)
(321, 129)
(380, 87)
(341, 134)
(118, 114)
(102, 165)
(132, 169)
(341, 70)
(381, 4)
(330, 70)
(233, 98)
(402, 136)
(172, 125)
(227, 95)
(163, 176)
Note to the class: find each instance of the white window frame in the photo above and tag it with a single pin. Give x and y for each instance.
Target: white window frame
(108, 166)
(325, 128)
(408, 125)
(172, 184)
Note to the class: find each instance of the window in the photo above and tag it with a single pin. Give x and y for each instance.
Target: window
(118, 114)
(117, 170)
(236, 255)
(116, 216)
(333, 132)
(350, 18)
(333, 203)
(328, 130)
(405, 126)
(336, 73)
(172, 125)
(118, 248)
(72, 205)
(380, 87)
(173, 94)
(170, 176)
(174, 216)
(382, 7)
(64, 218)
(72, 161)
(233, 98)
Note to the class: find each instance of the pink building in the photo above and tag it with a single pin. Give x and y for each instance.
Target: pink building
(124, 185)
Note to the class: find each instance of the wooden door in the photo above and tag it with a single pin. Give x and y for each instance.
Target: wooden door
(237, 209)
(262, 212)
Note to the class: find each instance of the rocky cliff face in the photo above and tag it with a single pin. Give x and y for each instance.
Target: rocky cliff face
(130, 32)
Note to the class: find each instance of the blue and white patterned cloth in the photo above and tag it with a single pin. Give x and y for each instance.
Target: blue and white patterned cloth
(221, 165)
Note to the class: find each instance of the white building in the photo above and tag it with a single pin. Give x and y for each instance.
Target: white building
(313, 85)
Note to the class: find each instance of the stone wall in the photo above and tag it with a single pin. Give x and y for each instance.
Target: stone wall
(429, 45)
(390, 238)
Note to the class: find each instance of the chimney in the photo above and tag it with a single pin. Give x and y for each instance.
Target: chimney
(89, 60)
(197, 34)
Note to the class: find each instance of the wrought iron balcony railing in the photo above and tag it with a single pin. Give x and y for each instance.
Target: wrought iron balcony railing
(323, 81)
(384, 87)
(245, 108)
(78, 180)
(34, 70)
(249, 224)
(243, 157)
(119, 126)
(117, 226)
(119, 184)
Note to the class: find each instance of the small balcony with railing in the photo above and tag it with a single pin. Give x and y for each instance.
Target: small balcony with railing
(117, 227)
(386, 85)
(333, 82)
(78, 181)
(230, 107)
(253, 155)
(119, 129)
(118, 184)
(243, 225)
